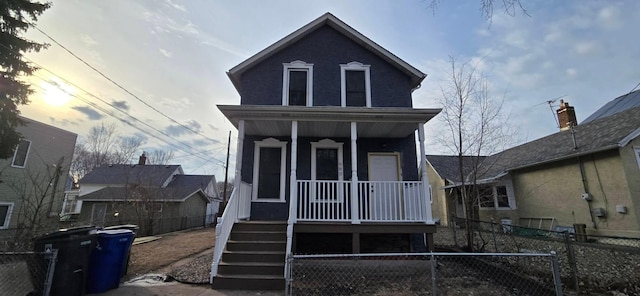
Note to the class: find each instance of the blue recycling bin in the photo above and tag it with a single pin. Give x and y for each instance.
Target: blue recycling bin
(108, 260)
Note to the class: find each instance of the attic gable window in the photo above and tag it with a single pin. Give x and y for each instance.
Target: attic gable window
(297, 84)
(21, 153)
(355, 85)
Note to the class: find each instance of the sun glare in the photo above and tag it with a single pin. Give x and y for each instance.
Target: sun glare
(56, 92)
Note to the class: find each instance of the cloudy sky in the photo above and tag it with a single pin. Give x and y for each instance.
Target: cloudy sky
(168, 60)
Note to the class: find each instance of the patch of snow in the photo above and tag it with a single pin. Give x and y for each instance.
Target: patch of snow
(146, 280)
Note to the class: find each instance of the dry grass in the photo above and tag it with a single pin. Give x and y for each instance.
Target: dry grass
(172, 247)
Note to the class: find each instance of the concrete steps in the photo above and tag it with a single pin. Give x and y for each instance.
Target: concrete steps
(254, 257)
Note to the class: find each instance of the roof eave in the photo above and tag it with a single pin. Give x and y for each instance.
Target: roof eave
(626, 140)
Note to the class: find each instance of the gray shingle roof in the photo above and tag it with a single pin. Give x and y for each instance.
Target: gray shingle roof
(601, 134)
(138, 194)
(191, 181)
(447, 166)
(619, 104)
(146, 175)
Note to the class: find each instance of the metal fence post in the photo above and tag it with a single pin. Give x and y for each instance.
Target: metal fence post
(493, 235)
(52, 256)
(288, 290)
(572, 261)
(555, 267)
(433, 275)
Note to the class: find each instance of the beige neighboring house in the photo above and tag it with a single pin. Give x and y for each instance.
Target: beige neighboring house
(585, 174)
(33, 180)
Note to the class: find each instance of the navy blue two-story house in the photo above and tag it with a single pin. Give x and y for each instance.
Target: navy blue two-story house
(326, 156)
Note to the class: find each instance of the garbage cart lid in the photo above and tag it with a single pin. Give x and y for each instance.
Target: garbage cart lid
(67, 232)
(124, 226)
(113, 231)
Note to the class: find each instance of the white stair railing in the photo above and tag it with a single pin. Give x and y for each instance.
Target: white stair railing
(238, 207)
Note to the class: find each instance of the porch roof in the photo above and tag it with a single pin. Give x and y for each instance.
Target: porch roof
(328, 121)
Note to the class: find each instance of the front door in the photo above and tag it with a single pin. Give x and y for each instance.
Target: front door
(385, 190)
(98, 213)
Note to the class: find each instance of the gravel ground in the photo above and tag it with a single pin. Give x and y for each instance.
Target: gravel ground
(195, 271)
(176, 254)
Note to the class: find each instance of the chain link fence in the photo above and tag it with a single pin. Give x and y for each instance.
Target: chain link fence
(589, 264)
(27, 273)
(420, 274)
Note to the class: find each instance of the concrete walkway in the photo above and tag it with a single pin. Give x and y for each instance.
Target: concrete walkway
(182, 289)
(153, 284)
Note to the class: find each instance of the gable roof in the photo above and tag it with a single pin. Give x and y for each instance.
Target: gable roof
(447, 166)
(154, 194)
(194, 182)
(326, 19)
(147, 175)
(605, 133)
(619, 104)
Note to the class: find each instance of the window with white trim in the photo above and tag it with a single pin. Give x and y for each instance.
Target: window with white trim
(71, 204)
(494, 196)
(5, 214)
(21, 154)
(355, 89)
(269, 165)
(297, 84)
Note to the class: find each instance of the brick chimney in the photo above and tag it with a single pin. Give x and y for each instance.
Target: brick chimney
(566, 116)
(143, 159)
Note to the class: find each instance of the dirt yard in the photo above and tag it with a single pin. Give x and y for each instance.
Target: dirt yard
(163, 254)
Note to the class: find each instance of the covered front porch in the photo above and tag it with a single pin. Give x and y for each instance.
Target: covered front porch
(346, 171)
(333, 164)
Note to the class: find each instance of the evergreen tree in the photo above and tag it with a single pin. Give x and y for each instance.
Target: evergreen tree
(16, 17)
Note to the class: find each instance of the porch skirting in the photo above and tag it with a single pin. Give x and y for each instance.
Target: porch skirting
(366, 228)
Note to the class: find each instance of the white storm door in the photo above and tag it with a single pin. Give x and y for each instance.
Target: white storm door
(385, 190)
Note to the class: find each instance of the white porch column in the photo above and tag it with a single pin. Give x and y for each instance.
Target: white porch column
(238, 175)
(425, 178)
(355, 208)
(293, 179)
(293, 194)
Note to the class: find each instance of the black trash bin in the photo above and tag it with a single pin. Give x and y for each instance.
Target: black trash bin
(74, 247)
(131, 227)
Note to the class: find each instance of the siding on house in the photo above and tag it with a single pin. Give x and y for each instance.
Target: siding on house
(631, 166)
(48, 146)
(326, 49)
(280, 210)
(542, 193)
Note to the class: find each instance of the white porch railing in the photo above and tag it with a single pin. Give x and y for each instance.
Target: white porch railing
(238, 207)
(378, 201)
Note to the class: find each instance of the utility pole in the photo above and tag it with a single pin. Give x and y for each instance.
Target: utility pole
(226, 173)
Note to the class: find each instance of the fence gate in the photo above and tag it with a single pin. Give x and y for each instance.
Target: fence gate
(27, 273)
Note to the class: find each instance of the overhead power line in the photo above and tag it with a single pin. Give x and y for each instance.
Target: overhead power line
(196, 154)
(128, 122)
(122, 87)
